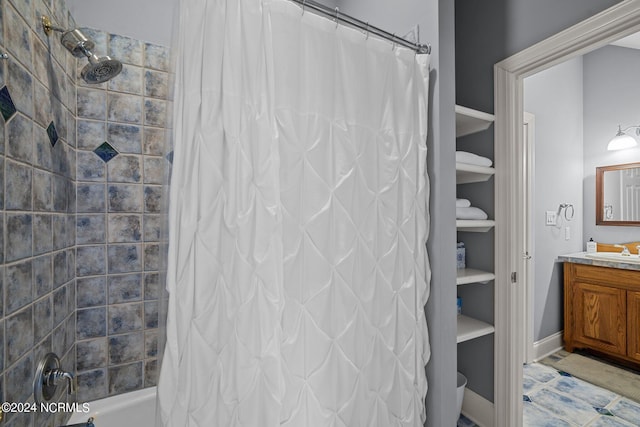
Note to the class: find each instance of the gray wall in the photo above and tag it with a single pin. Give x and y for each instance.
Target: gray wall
(149, 21)
(486, 33)
(611, 77)
(555, 97)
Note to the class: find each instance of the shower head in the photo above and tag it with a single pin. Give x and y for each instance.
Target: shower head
(99, 69)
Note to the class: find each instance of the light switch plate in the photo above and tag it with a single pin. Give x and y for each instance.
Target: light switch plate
(550, 218)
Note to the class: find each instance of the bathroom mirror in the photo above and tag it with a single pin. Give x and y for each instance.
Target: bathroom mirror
(618, 195)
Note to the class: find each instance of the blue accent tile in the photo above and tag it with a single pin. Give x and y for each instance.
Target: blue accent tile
(105, 151)
(53, 134)
(526, 398)
(603, 411)
(565, 374)
(7, 107)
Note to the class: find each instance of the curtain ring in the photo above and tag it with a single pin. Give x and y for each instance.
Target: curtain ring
(336, 16)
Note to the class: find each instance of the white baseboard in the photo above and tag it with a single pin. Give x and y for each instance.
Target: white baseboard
(477, 408)
(547, 346)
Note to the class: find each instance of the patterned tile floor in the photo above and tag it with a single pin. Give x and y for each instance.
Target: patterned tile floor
(556, 399)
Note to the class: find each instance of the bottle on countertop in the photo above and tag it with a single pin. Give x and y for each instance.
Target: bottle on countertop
(592, 247)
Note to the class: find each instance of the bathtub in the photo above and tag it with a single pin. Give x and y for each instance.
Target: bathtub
(137, 408)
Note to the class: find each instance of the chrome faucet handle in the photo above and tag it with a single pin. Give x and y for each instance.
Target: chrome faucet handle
(625, 250)
(54, 376)
(49, 375)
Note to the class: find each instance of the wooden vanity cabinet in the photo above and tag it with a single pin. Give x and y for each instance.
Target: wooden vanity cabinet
(602, 310)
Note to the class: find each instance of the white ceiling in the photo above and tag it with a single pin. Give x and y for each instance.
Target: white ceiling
(632, 41)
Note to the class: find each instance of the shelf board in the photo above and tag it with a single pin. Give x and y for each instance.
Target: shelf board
(465, 276)
(476, 225)
(466, 173)
(470, 121)
(470, 328)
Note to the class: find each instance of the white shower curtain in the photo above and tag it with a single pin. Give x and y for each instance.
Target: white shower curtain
(298, 221)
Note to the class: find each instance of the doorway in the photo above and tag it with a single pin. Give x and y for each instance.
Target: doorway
(616, 22)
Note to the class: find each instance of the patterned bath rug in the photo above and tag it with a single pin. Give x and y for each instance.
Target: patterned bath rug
(619, 380)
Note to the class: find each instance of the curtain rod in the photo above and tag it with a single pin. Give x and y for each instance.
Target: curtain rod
(353, 22)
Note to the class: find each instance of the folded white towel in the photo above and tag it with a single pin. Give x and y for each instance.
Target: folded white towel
(470, 213)
(472, 159)
(462, 203)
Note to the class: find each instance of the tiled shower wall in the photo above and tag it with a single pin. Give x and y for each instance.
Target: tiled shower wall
(120, 164)
(37, 202)
(79, 216)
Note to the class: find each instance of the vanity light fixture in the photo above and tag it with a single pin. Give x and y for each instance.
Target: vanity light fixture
(622, 140)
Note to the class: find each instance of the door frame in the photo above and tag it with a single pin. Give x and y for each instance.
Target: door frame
(528, 248)
(616, 22)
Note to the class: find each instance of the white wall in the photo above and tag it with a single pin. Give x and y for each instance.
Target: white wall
(612, 97)
(555, 97)
(146, 20)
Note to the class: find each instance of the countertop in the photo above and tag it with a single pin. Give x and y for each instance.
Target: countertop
(581, 258)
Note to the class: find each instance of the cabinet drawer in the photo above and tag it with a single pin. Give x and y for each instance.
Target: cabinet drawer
(628, 279)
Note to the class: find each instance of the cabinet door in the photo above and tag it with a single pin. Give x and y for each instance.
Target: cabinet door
(633, 326)
(600, 317)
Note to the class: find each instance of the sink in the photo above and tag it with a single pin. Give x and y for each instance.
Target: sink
(614, 256)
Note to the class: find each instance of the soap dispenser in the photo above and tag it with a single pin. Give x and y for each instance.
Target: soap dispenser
(592, 247)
